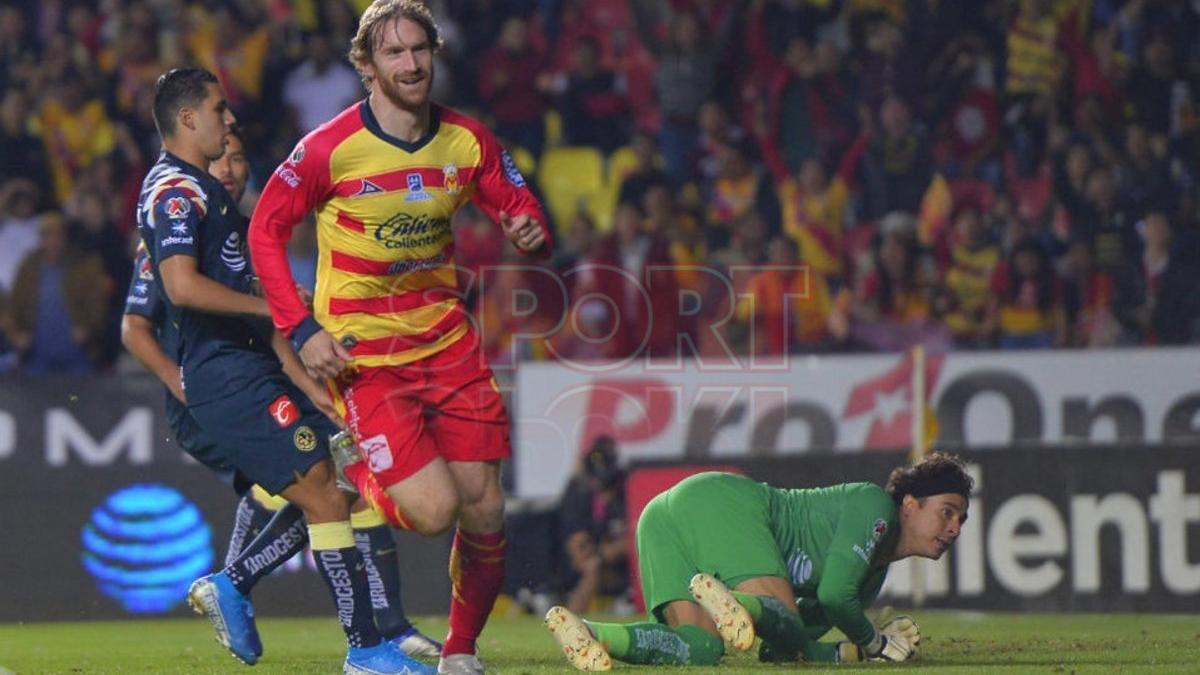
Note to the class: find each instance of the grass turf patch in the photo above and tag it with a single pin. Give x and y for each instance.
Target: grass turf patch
(952, 642)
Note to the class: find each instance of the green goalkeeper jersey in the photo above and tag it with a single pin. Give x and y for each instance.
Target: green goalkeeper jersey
(834, 542)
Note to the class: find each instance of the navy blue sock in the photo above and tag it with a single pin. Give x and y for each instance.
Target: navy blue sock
(283, 537)
(342, 568)
(378, 550)
(248, 521)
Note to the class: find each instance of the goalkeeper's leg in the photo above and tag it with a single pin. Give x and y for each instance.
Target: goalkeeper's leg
(589, 645)
(772, 607)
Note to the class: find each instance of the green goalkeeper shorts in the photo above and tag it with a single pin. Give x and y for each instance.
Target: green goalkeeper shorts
(711, 522)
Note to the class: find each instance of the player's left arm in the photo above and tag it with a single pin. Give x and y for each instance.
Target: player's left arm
(863, 525)
(294, 369)
(501, 192)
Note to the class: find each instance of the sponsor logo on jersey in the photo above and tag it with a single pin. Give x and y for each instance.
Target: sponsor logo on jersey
(377, 451)
(283, 411)
(404, 230)
(879, 529)
(800, 567)
(367, 188)
(177, 208)
(232, 254)
(450, 179)
(510, 170)
(416, 189)
(305, 439)
(288, 175)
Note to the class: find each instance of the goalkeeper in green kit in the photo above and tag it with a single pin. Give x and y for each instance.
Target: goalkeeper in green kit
(724, 559)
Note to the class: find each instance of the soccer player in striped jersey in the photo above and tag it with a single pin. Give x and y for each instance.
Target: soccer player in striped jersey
(258, 421)
(388, 327)
(154, 342)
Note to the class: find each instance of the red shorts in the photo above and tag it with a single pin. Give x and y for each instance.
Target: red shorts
(446, 405)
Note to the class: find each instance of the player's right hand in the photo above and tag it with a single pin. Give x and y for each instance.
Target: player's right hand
(896, 648)
(324, 356)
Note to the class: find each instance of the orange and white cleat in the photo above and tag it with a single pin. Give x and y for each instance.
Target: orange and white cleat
(733, 621)
(579, 645)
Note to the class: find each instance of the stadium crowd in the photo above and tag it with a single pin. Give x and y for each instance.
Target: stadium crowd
(829, 174)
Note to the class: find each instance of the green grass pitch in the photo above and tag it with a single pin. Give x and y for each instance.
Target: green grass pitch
(953, 642)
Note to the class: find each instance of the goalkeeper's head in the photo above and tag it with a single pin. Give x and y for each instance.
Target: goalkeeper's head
(931, 502)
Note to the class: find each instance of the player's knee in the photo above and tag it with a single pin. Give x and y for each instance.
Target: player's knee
(435, 515)
(483, 512)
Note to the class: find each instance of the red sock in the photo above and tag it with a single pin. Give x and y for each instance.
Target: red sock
(476, 575)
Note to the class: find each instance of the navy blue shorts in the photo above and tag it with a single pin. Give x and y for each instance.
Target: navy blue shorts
(268, 432)
(192, 439)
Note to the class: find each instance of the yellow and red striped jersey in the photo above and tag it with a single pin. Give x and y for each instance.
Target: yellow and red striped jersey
(385, 269)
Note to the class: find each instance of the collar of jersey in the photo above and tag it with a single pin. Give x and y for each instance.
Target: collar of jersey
(188, 167)
(372, 124)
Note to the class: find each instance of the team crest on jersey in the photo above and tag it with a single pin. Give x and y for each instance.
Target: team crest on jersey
(304, 439)
(145, 269)
(416, 189)
(450, 179)
(510, 170)
(177, 208)
(367, 188)
(297, 155)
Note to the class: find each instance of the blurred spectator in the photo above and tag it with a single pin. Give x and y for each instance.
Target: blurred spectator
(591, 99)
(594, 528)
(739, 188)
(1172, 293)
(22, 154)
(897, 166)
(972, 259)
(630, 270)
(57, 311)
(1088, 300)
(684, 80)
(894, 311)
(646, 173)
(18, 228)
(96, 233)
(814, 208)
(508, 75)
(787, 305)
(1145, 176)
(716, 130)
(76, 130)
(321, 86)
(1025, 307)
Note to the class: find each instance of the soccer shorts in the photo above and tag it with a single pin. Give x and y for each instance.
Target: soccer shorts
(445, 405)
(192, 440)
(711, 522)
(269, 432)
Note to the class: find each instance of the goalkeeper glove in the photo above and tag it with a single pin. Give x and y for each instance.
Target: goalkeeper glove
(903, 626)
(894, 648)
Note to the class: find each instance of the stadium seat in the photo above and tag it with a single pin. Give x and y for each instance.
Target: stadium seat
(602, 207)
(571, 178)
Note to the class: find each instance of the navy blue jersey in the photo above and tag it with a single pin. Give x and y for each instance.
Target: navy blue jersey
(144, 299)
(184, 211)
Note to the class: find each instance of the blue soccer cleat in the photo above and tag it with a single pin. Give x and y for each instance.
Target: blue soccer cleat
(384, 658)
(230, 613)
(418, 645)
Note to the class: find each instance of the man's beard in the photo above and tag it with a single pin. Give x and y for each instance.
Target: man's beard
(407, 100)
